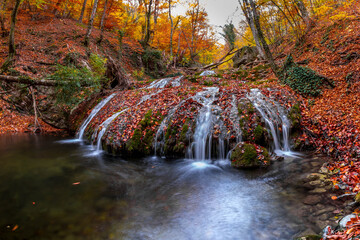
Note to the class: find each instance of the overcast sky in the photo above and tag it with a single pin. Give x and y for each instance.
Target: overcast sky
(219, 12)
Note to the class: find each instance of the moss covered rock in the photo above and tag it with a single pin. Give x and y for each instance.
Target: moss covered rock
(295, 116)
(249, 156)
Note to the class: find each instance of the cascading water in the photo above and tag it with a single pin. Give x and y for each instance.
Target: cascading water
(200, 149)
(108, 121)
(274, 116)
(93, 113)
(175, 82)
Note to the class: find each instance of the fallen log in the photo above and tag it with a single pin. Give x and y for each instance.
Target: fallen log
(28, 81)
(34, 82)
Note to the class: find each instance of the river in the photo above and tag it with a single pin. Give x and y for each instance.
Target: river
(53, 190)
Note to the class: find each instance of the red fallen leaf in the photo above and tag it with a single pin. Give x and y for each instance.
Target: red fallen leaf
(333, 197)
(76, 183)
(15, 227)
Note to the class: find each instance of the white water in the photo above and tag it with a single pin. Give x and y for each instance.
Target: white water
(93, 113)
(174, 81)
(200, 149)
(108, 121)
(275, 116)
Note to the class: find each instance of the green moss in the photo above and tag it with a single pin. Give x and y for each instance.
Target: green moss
(259, 135)
(183, 133)
(295, 116)
(303, 80)
(141, 141)
(135, 142)
(244, 156)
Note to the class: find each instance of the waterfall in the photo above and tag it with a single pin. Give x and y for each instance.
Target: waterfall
(175, 82)
(104, 127)
(108, 121)
(200, 149)
(275, 116)
(93, 113)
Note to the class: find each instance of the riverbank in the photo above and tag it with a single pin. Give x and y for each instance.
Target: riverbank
(12, 121)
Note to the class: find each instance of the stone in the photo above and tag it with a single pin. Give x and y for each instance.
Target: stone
(324, 170)
(312, 200)
(246, 156)
(343, 222)
(207, 73)
(318, 190)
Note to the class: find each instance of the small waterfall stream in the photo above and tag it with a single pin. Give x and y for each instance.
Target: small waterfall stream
(200, 149)
(108, 121)
(275, 116)
(93, 113)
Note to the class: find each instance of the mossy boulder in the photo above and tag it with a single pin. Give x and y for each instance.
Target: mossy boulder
(176, 141)
(248, 155)
(260, 135)
(141, 142)
(251, 124)
(295, 116)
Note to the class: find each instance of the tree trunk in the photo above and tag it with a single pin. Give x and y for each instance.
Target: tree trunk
(4, 32)
(12, 51)
(171, 30)
(82, 11)
(305, 14)
(91, 22)
(247, 12)
(147, 29)
(29, 81)
(268, 55)
(102, 22)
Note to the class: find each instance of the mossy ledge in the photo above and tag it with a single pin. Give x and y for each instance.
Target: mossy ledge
(246, 155)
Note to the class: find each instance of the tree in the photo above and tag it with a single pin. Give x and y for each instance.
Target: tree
(305, 14)
(148, 10)
(250, 20)
(82, 11)
(12, 50)
(253, 17)
(91, 22)
(2, 18)
(102, 22)
(171, 29)
(229, 35)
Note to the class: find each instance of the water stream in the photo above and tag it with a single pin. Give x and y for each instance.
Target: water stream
(93, 113)
(56, 191)
(275, 116)
(200, 149)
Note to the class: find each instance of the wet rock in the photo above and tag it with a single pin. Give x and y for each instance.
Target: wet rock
(324, 170)
(207, 73)
(344, 221)
(249, 156)
(312, 200)
(246, 55)
(324, 210)
(318, 190)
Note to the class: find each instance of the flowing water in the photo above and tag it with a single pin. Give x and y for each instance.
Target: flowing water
(51, 190)
(275, 116)
(200, 149)
(93, 113)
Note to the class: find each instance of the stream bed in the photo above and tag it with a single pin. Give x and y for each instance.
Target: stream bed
(55, 190)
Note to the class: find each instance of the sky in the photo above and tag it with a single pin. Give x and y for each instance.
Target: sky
(219, 13)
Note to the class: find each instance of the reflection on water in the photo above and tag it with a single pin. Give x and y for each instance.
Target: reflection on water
(52, 190)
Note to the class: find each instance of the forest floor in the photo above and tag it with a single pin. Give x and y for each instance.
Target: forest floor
(41, 45)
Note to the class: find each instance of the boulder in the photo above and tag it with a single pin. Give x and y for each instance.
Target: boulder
(247, 155)
(245, 56)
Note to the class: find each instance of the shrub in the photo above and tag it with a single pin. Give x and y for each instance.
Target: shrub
(153, 62)
(301, 79)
